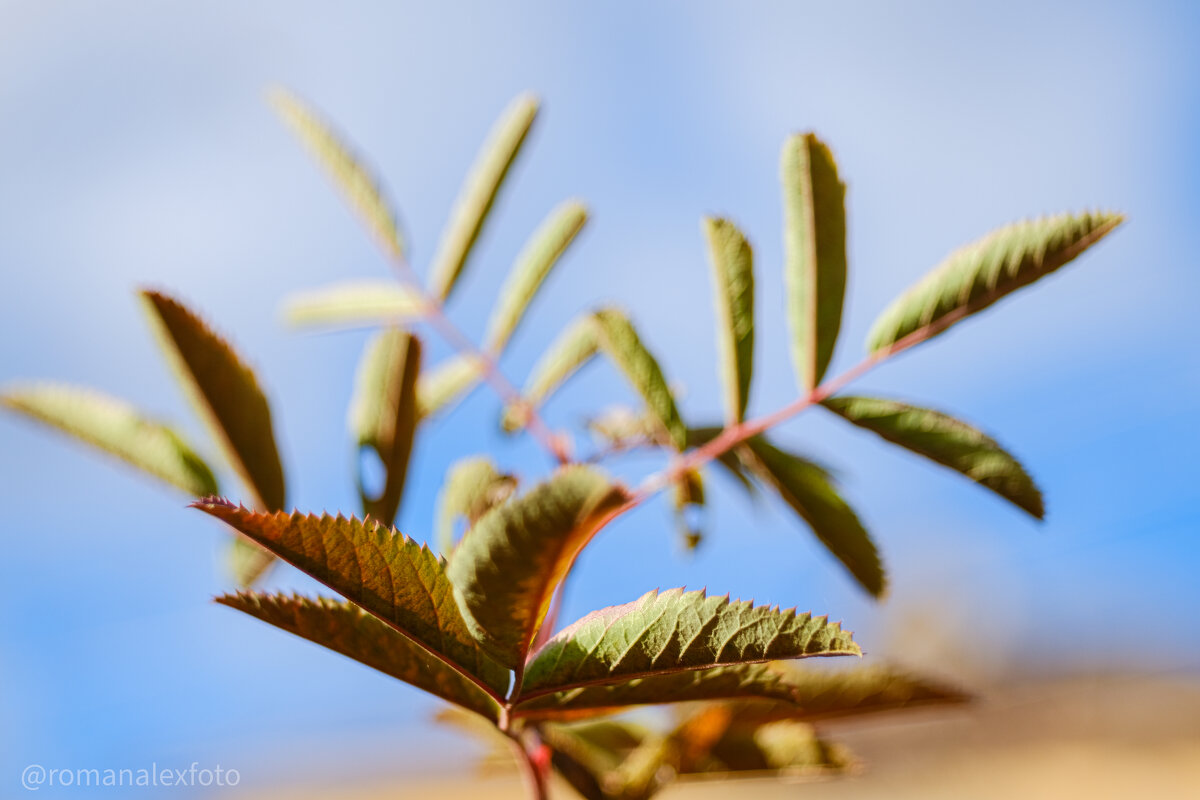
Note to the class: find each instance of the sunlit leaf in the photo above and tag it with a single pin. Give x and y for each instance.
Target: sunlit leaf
(815, 245)
(473, 486)
(946, 440)
(673, 631)
(566, 354)
(227, 394)
(355, 304)
(384, 572)
(973, 277)
(345, 628)
(445, 384)
(479, 192)
(733, 284)
(808, 489)
(383, 416)
(339, 160)
(506, 568)
(117, 428)
(533, 264)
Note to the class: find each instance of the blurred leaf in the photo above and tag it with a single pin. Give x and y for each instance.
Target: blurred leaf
(807, 488)
(247, 562)
(688, 493)
(506, 568)
(356, 303)
(117, 428)
(784, 746)
(733, 283)
(479, 192)
(473, 486)
(383, 415)
(356, 183)
(973, 277)
(447, 383)
(673, 631)
(345, 628)
(698, 437)
(946, 440)
(814, 207)
(227, 393)
(572, 349)
(533, 264)
(378, 569)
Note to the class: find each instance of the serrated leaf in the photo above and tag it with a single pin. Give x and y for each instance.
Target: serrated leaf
(473, 487)
(674, 631)
(619, 340)
(354, 304)
(573, 348)
(383, 415)
(378, 569)
(479, 192)
(447, 383)
(733, 283)
(339, 160)
(814, 216)
(973, 277)
(533, 264)
(345, 628)
(808, 489)
(947, 441)
(227, 393)
(507, 566)
(118, 429)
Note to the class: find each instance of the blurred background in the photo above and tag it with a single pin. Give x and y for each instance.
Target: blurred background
(136, 148)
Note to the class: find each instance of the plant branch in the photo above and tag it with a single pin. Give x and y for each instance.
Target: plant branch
(533, 768)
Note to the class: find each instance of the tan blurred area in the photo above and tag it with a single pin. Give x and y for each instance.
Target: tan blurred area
(1081, 737)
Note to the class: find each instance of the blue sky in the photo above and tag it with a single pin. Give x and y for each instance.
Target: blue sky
(136, 148)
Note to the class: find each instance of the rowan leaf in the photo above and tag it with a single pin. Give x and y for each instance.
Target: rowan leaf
(479, 192)
(338, 158)
(809, 491)
(573, 348)
(445, 384)
(733, 284)
(347, 629)
(226, 392)
(973, 277)
(355, 304)
(378, 569)
(533, 265)
(814, 211)
(674, 631)
(117, 428)
(473, 487)
(507, 566)
(619, 341)
(383, 415)
(947, 441)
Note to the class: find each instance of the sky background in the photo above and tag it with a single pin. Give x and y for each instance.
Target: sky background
(136, 148)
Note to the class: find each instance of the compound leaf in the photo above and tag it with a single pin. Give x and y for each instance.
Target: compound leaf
(946, 440)
(506, 567)
(573, 348)
(354, 304)
(733, 285)
(815, 245)
(447, 383)
(973, 277)
(117, 428)
(618, 339)
(473, 486)
(479, 192)
(533, 264)
(345, 628)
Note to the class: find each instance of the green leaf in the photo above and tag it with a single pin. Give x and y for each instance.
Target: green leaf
(783, 746)
(117, 428)
(808, 489)
(345, 628)
(339, 160)
(533, 264)
(506, 568)
(673, 631)
(733, 283)
(447, 383)
(378, 569)
(973, 277)
(383, 415)
(946, 440)
(226, 392)
(473, 486)
(814, 215)
(355, 304)
(479, 193)
(573, 348)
